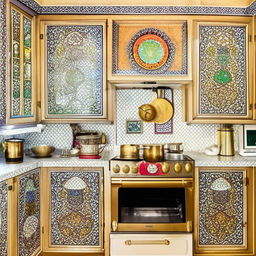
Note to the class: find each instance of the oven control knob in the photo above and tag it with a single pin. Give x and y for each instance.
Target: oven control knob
(177, 167)
(152, 168)
(116, 169)
(126, 169)
(135, 169)
(188, 167)
(165, 167)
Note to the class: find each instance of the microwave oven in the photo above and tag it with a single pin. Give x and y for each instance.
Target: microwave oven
(247, 140)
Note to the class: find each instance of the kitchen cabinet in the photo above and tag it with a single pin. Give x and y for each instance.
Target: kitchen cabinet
(21, 93)
(223, 70)
(130, 43)
(224, 201)
(3, 218)
(73, 69)
(73, 210)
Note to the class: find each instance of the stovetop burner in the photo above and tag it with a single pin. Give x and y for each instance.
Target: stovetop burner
(174, 165)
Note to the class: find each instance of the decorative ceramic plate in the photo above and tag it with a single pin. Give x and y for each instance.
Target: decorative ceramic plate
(151, 51)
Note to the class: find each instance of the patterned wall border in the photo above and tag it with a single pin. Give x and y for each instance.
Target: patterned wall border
(251, 10)
(3, 63)
(139, 9)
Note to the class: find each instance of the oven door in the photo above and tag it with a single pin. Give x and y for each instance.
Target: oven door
(152, 204)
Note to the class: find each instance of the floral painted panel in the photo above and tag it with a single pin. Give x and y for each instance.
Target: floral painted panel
(222, 70)
(3, 218)
(29, 214)
(221, 204)
(16, 69)
(75, 208)
(27, 86)
(75, 70)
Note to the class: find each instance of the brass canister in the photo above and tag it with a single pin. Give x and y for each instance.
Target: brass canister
(225, 140)
(14, 150)
(153, 152)
(129, 151)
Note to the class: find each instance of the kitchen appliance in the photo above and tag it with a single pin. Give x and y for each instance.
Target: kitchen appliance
(247, 140)
(225, 138)
(91, 144)
(14, 150)
(149, 197)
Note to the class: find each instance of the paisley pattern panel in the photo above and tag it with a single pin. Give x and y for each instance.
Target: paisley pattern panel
(221, 204)
(3, 218)
(75, 208)
(29, 214)
(222, 70)
(75, 70)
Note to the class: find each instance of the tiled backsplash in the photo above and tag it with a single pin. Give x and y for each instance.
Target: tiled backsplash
(194, 137)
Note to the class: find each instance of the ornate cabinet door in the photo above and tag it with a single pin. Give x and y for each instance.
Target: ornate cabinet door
(3, 218)
(224, 210)
(21, 94)
(73, 204)
(223, 71)
(73, 79)
(28, 214)
(151, 49)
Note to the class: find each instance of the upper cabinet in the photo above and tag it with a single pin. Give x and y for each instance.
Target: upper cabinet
(21, 100)
(222, 90)
(148, 49)
(73, 70)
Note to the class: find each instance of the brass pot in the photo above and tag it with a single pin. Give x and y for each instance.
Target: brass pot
(129, 151)
(153, 152)
(14, 150)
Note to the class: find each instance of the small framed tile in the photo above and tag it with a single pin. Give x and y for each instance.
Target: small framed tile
(133, 126)
(166, 128)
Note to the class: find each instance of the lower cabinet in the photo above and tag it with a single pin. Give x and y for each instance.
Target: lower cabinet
(224, 213)
(73, 210)
(3, 218)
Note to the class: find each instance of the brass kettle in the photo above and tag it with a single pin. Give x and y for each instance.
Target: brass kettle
(14, 150)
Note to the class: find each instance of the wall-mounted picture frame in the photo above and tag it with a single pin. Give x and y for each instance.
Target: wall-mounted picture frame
(133, 126)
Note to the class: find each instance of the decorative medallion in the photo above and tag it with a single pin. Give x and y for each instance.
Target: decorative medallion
(151, 51)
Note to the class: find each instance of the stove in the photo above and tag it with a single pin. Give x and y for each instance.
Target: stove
(174, 166)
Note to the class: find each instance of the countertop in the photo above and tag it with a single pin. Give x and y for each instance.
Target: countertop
(11, 170)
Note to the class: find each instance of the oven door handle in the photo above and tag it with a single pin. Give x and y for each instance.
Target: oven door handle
(150, 184)
(147, 242)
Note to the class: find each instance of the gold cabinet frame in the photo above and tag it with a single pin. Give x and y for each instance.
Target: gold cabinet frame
(48, 248)
(22, 119)
(107, 95)
(248, 248)
(191, 109)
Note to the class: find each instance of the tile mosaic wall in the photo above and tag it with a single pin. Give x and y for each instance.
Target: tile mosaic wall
(194, 137)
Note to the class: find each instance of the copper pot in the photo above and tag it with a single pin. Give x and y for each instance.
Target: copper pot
(129, 151)
(14, 150)
(153, 152)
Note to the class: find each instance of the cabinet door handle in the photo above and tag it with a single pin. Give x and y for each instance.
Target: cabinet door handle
(147, 242)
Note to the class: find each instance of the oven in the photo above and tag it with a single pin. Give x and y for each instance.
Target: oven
(151, 203)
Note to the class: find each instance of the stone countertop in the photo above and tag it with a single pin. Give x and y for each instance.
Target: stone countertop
(11, 170)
